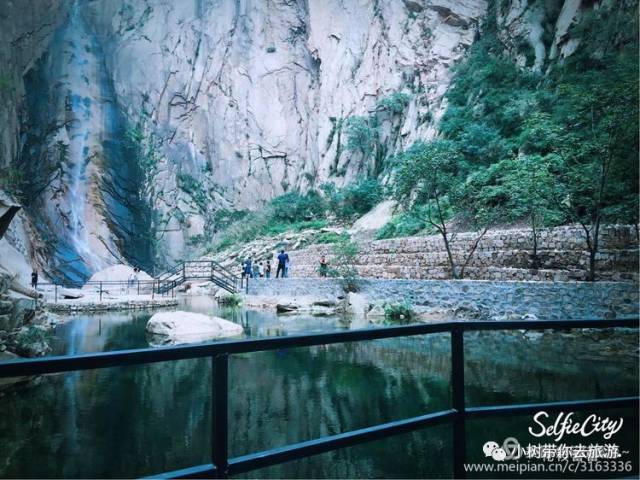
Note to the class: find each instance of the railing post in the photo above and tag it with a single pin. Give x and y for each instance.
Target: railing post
(246, 285)
(153, 289)
(219, 413)
(100, 292)
(458, 401)
(55, 288)
(138, 287)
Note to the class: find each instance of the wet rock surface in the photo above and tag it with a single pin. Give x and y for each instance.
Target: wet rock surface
(170, 328)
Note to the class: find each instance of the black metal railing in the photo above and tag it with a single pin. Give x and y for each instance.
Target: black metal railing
(164, 284)
(197, 269)
(56, 291)
(222, 466)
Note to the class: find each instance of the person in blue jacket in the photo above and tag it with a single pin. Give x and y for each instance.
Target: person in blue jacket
(283, 260)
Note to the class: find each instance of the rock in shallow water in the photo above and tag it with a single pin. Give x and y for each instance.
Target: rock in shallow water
(357, 304)
(170, 328)
(71, 293)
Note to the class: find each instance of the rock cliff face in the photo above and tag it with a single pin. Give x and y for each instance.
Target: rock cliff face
(134, 121)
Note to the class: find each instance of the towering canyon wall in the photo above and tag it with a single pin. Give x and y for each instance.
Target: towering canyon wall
(27, 29)
(135, 120)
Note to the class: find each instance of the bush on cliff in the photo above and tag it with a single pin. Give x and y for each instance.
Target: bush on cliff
(354, 199)
(295, 207)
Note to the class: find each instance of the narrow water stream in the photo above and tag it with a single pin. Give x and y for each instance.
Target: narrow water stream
(135, 421)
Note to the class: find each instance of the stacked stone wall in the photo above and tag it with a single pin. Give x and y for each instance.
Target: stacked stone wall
(545, 300)
(500, 255)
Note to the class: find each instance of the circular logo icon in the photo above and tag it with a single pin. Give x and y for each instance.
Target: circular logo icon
(511, 447)
(489, 447)
(499, 454)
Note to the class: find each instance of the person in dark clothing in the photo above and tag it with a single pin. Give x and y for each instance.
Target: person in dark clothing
(247, 268)
(34, 280)
(324, 267)
(267, 270)
(283, 259)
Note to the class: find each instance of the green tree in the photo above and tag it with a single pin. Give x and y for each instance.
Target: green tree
(360, 135)
(531, 188)
(395, 103)
(294, 207)
(343, 267)
(429, 174)
(599, 110)
(354, 199)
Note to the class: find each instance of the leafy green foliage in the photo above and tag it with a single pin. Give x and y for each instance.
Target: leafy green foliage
(223, 218)
(331, 237)
(599, 119)
(259, 224)
(529, 183)
(399, 312)
(345, 253)
(196, 240)
(294, 207)
(546, 149)
(33, 341)
(231, 300)
(6, 85)
(395, 103)
(426, 173)
(195, 189)
(360, 134)
(295, 211)
(276, 228)
(405, 224)
(145, 149)
(354, 199)
(12, 180)
(292, 211)
(432, 174)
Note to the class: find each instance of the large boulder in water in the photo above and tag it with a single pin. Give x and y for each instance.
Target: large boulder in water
(188, 327)
(356, 304)
(70, 293)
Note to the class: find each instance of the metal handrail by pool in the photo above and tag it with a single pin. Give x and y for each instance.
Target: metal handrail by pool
(222, 466)
(165, 283)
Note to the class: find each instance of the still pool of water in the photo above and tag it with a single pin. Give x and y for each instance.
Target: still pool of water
(135, 421)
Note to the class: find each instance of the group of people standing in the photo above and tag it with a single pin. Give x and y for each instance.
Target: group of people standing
(133, 277)
(251, 269)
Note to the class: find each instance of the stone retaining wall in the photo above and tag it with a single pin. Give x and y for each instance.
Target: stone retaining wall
(77, 307)
(546, 300)
(501, 255)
